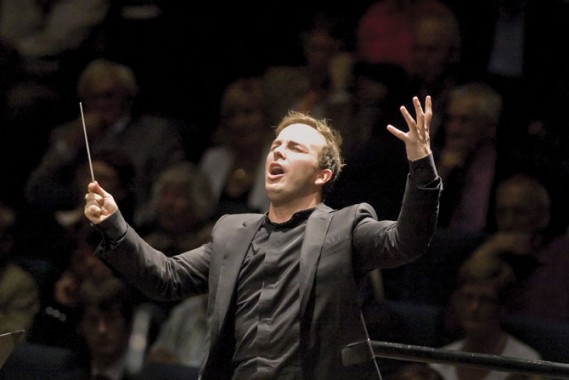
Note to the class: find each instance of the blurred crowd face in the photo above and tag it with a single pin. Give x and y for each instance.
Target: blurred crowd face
(435, 48)
(478, 307)
(519, 209)
(106, 332)
(244, 120)
(175, 208)
(465, 127)
(108, 99)
(319, 48)
(85, 265)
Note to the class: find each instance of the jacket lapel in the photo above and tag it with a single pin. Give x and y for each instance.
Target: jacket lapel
(316, 229)
(238, 245)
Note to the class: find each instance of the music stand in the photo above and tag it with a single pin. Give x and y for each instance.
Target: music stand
(8, 342)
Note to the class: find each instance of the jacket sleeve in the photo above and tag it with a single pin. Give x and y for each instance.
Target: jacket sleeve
(149, 270)
(392, 243)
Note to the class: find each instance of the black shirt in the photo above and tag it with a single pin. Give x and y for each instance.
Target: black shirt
(267, 325)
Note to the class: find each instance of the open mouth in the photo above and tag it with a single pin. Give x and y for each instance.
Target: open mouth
(275, 171)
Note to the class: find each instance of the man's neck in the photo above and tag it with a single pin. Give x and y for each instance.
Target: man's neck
(283, 212)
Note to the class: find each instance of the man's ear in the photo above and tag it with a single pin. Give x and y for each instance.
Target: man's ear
(324, 176)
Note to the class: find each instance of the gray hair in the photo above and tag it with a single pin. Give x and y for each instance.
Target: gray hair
(122, 75)
(186, 175)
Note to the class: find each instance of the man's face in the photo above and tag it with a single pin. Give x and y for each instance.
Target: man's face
(465, 128)
(108, 99)
(106, 332)
(517, 210)
(478, 309)
(291, 169)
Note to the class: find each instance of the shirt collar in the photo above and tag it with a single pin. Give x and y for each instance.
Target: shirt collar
(296, 219)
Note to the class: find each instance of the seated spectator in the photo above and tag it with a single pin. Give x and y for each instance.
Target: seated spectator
(106, 312)
(235, 164)
(181, 210)
(19, 293)
(467, 158)
(523, 209)
(475, 317)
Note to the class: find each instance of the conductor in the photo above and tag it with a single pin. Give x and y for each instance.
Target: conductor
(285, 287)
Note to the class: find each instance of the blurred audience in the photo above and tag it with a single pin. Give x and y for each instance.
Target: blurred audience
(384, 32)
(374, 94)
(522, 238)
(319, 85)
(108, 90)
(435, 66)
(46, 33)
(521, 51)
(235, 164)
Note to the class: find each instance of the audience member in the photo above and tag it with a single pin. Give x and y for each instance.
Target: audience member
(483, 285)
(523, 208)
(235, 165)
(19, 293)
(106, 312)
(467, 157)
(181, 210)
(108, 90)
(182, 338)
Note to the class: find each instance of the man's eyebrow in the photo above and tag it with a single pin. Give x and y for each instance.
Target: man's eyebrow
(289, 143)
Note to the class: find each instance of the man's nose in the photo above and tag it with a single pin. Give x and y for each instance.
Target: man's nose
(279, 152)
